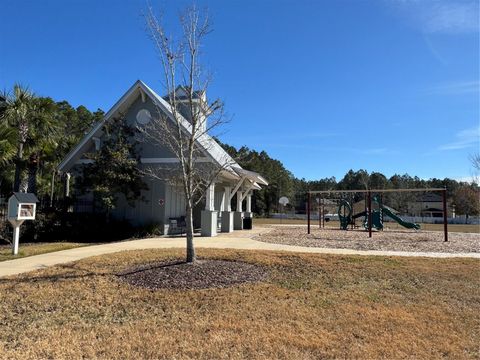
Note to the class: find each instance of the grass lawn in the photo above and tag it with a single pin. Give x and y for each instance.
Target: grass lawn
(309, 306)
(390, 225)
(35, 249)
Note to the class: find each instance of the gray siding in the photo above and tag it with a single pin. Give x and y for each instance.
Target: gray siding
(144, 212)
(174, 202)
(150, 210)
(147, 150)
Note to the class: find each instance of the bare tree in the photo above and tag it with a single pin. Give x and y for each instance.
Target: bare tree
(475, 160)
(182, 126)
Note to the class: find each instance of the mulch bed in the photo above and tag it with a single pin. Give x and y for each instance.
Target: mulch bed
(202, 274)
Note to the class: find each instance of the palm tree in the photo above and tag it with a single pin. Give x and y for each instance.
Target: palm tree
(33, 120)
(42, 139)
(8, 139)
(17, 113)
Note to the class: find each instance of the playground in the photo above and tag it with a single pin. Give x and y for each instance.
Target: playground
(365, 221)
(387, 240)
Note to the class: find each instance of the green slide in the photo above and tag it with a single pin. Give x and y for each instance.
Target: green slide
(377, 222)
(399, 220)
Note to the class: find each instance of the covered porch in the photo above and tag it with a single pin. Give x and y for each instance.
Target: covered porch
(228, 202)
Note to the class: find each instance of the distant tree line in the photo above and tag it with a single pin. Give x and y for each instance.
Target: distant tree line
(464, 195)
(37, 132)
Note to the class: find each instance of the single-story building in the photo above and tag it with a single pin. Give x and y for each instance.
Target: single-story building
(428, 205)
(165, 202)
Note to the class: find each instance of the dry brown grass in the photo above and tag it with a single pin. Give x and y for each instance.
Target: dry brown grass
(35, 249)
(310, 306)
(389, 225)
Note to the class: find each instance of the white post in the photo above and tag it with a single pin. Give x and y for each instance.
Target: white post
(228, 202)
(209, 215)
(16, 236)
(66, 185)
(239, 201)
(249, 203)
(227, 214)
(222, 203)
(210, 198)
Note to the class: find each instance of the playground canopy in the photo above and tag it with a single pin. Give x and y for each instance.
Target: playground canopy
(369, 192)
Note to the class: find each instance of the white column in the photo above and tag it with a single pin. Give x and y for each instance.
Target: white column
(239, 201)
(66, 185)
(249, 202)
(228, 202)
(227, 214)
(222, 202)
(210, 198)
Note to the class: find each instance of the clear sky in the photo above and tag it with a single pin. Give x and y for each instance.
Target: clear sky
(323, 86)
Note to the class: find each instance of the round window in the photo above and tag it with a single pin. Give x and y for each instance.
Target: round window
(143, 117)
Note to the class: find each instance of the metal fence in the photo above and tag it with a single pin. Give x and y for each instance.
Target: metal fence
(3, 211)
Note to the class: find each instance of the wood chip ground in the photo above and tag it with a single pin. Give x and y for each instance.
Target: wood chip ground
(203, 274)
(388, 240)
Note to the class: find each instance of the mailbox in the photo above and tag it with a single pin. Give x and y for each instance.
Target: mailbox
(21, 207)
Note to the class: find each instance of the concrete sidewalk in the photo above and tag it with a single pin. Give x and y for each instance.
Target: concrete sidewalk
(236, 240)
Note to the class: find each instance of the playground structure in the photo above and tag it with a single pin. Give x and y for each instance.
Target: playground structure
(347, 218)
(372, 218)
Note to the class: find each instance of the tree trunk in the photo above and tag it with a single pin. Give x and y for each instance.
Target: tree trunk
(18, 168)
(191, 257)
(32, 174)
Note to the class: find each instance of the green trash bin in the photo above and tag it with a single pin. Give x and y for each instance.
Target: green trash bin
(247, 223)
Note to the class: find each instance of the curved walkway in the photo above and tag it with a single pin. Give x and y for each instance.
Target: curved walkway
(236, 240)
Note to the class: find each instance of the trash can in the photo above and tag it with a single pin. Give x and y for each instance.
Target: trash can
(247, 223)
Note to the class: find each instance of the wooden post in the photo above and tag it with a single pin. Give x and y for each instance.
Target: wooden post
(319, 213)
(352, 222)
(369, 214)
(445, 215)
(323, 214)
(308, 211)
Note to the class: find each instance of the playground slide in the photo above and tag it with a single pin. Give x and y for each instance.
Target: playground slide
(399, 220)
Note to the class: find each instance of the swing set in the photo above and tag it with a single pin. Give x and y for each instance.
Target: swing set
(372, 218)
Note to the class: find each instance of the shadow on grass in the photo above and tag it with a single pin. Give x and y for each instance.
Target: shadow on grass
(86, 273)
(150, 267)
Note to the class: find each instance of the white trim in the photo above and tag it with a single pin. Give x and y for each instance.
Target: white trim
(257, 187)
(232, 194)
(211, 148)
(251, 175)
(170, 160)
(245, 193)
(98, 126)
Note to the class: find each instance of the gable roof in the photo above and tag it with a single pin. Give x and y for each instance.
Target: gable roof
(25, 197)
(211, 147)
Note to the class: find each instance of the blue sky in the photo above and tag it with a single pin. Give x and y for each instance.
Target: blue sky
(323, 86)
